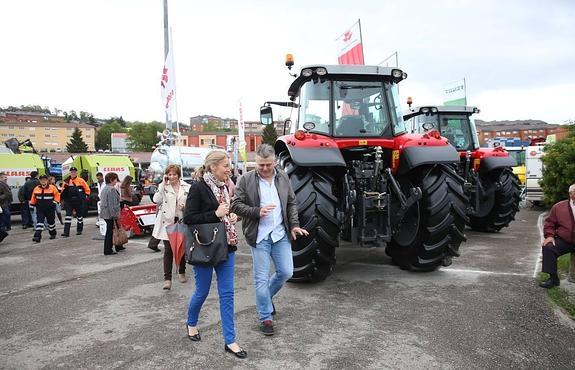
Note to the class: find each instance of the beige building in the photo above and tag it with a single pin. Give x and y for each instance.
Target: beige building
(45, 135)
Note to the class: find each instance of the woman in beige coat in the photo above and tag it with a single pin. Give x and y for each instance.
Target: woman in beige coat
(171, 200)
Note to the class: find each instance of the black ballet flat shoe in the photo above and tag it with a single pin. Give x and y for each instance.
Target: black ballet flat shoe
(195, 337)
(240, 354)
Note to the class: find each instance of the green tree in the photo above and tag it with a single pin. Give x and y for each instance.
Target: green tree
(269, 135)
(77, 144)
(142, 137)
(559, 162)
(119, 120)
(104, 135)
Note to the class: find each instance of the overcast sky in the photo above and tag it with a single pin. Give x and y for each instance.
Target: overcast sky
(106, 56)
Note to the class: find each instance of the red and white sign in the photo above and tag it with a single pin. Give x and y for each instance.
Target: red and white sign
(16, 178)
(119, 170)
(350, 48)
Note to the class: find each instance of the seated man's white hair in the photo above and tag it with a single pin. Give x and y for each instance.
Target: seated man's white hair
(572, 188)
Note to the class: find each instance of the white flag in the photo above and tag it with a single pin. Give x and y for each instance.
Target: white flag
(168, 84)
(242, 135)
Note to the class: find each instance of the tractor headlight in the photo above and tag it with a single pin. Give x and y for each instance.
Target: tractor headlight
(396, 73)
(424, 110)
(403, 76)
(306, 72)
(321, 71)
(433, 109)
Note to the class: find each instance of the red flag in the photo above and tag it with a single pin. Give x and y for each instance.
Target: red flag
(350, 47)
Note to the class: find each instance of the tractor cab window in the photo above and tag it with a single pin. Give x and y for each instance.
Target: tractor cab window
(360, 108)
(314, 106)
(399, 126)
(458, 131)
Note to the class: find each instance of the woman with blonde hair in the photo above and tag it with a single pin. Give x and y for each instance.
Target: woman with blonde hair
(171, 200)
(209, 202)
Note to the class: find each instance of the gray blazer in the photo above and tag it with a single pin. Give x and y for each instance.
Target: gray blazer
(109, 203)
(246, 203)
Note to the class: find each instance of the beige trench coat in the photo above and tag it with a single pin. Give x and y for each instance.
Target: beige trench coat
(167, 201)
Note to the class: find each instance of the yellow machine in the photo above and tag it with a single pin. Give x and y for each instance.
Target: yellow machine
(518, 152)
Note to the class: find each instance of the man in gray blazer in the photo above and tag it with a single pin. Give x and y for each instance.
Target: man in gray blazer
(266, 203)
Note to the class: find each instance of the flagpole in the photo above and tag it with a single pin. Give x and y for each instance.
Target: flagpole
(175, 87)
(166, 48)
(361, 40)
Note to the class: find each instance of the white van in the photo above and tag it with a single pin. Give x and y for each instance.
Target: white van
(534, 173)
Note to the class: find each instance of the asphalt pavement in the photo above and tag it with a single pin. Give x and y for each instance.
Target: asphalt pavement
(65, 305)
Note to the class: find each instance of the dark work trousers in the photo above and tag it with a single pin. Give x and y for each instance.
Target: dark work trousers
(108, 240)
(46, 219)
(26, 215)
(6, 218)
(551, 253)
(77, 205)
(168, 260)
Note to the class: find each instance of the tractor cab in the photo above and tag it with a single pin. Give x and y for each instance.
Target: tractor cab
(455, 123)
(343, 101)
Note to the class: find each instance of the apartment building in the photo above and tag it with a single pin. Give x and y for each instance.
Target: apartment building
(47, 136)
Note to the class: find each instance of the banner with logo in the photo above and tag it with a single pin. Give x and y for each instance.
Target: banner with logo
(121, 171)
(242, 135)
(454, 93)
(168, 87)
(350, 47)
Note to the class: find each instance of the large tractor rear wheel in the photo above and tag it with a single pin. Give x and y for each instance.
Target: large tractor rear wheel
(433, 228)
(499, 198)
(314, 255)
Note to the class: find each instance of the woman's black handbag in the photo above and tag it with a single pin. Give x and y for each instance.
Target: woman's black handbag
(209, 244)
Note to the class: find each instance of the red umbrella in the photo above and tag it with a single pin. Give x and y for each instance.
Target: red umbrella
(178, 234)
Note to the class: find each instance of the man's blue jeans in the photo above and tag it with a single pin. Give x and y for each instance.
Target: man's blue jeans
(225, 276)
(267, 287)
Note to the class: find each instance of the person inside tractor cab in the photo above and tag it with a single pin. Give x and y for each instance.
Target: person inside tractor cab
(360, 111)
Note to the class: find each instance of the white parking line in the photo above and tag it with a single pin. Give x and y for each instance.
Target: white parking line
(539, 255)
(483, 272)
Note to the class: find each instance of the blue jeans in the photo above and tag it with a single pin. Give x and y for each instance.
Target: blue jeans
(225, 276)
(267, 287)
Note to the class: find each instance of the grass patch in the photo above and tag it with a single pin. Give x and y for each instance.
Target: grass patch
(558, 295)
(562, 299)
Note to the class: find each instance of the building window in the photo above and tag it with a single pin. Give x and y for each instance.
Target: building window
(32, 135)
(69, 129)
(32, 128)
(11, 127)
(21, 128)
(47, 135)
(201, 141)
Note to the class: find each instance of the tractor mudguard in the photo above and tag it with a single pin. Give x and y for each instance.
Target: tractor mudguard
(491, 163)
(415, 156)
(314, 157)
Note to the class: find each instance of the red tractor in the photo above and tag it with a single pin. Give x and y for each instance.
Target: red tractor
(359, 176)
(490, 184)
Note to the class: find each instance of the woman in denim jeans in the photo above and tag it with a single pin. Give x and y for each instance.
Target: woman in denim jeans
(209, 202)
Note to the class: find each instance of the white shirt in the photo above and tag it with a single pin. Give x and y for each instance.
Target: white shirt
(100, 187)
(572, 204)
(272, 224)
